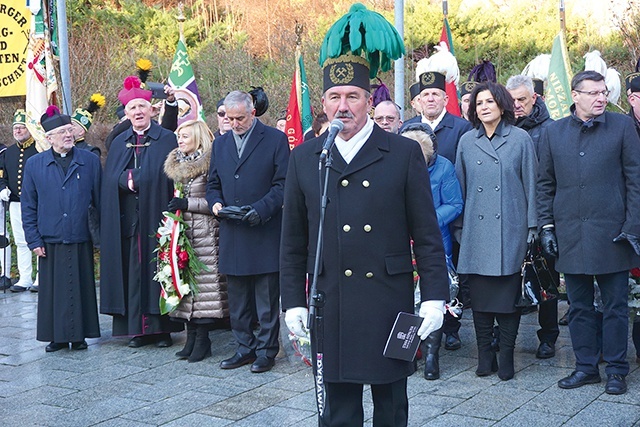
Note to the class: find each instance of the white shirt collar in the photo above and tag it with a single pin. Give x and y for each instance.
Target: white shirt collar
(437, 121)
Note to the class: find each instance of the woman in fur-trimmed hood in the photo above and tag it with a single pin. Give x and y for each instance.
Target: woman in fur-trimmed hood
(189, 164)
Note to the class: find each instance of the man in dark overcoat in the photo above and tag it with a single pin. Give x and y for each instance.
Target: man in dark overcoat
(588, 203)
(532, 115)
(248, 168)
(379, 200)
(59, 186)
(135, 191)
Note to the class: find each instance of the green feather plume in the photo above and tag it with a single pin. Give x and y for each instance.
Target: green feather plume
(363, 31)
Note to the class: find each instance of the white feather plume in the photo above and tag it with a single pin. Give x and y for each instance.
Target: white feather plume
(593, 61)
(538, 67)
(442, 61)
(612, 80)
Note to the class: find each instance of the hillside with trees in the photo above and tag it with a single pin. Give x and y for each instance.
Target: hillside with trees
(236, 44)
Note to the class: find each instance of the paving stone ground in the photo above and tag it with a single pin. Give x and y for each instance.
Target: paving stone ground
(112, 385)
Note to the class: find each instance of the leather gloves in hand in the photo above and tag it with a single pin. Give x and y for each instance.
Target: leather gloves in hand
(178, 204)
(252, 216)
(296, 320)
(433, 317)
(633, 240)
(549, 242)
(5, 194)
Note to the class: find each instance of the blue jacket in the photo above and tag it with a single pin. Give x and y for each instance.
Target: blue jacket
(55, 207)
(447, 196)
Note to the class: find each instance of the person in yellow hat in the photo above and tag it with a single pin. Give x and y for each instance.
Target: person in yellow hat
(82, 119)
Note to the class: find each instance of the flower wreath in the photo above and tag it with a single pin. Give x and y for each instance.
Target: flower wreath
(177, 263)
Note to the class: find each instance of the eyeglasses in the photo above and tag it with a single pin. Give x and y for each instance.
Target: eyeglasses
(20, 128)
(380, 119)
(67, 131)
(594, 93)
(222, 113)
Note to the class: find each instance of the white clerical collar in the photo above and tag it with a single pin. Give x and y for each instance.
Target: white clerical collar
(141, 132)
(437, 121)
(349, 149)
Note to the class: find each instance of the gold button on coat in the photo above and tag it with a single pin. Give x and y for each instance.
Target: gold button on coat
(344, 183)
(346, 228)
(348, 273)
(369, 275)
(365, 183)
(367, 228)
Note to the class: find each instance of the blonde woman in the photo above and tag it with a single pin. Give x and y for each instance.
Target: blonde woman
(189, 165)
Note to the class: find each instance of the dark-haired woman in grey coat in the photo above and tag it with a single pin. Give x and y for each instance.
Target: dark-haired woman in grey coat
(496, 167)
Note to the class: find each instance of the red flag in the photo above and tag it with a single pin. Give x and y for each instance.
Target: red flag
(453, 105)
(293, 126)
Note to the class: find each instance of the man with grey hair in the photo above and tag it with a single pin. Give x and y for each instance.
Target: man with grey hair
(532, 115)
(247, 173)
(135, 191)
(387, 116)
(529, 108)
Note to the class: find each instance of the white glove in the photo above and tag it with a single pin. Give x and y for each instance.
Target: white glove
(433, 314)
(296, 320)
(5, 194)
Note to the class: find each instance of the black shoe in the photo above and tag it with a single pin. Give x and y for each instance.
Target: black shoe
(34, 288)
(564, 320)
(5, 283)
(237, 360)
(262, 364)
(163, 340)
(189, 344)
(55, 346)
(202, 346)
(16, 288)
(452, 341)
(488, 365)
(80, 345)
(140, 341)
(431, 367)
(578, 379)
(546, 350)
(616, 384)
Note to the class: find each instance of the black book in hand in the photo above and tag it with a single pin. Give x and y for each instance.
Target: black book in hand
(403, 340)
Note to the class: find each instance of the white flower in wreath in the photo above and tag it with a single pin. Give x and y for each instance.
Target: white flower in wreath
(173, 301)
(184, 289)
(166, 271)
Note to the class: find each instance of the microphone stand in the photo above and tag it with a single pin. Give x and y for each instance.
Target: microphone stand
(316, 297)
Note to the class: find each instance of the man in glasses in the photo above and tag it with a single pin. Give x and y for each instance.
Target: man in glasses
(387, 116)
(588, 202)
(224, 125)
(59, 186)
(12, 162)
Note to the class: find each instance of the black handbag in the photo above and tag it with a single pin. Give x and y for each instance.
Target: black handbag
(538, 284)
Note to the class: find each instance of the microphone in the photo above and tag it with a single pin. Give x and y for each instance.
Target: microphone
(334, 129)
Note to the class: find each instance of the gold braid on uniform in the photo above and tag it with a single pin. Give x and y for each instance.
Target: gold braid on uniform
(27, 143)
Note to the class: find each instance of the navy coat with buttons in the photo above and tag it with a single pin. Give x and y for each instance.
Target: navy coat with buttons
(256, 179)
(589, 188)
(55, 206)
(377, 204)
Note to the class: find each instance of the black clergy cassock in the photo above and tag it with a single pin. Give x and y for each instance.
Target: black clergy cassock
(129, 221)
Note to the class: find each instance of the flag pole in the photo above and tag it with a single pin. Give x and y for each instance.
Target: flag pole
(398, 90)
(563, 25)
(181, 18)
(445, 8)
(299, 29)
(63, 45)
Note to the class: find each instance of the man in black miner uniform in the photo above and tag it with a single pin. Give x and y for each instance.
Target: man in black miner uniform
(135, 191)
(81, 121)
(414, 92)
(12, 162)
(380, 199)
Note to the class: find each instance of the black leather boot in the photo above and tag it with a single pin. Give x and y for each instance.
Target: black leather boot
(483, 324)
(508, 324)
(191, 340)
(202, 347)
(431, 355)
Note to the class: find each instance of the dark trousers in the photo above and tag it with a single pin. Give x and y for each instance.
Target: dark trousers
(583, 322)
(548, 311)
(265, 288)
(344, 405)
